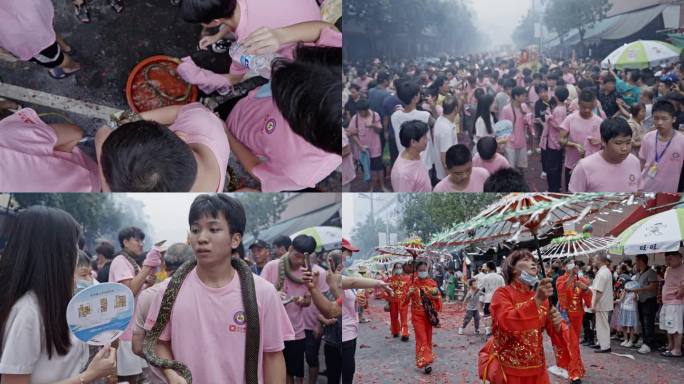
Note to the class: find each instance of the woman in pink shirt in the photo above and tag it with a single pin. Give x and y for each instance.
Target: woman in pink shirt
(549, 142)
(368, 126)
(408, 172)
(27, 32)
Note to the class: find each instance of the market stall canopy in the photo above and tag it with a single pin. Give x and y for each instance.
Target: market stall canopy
(662, 232)
(642, 54)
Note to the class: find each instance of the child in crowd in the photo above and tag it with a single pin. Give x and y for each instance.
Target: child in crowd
(462, 176)
(549, 142)
(409, 173)
(366, 125)
(487, 155)
(84, 273)
(662, 152)
(628, 313)
(472, 298)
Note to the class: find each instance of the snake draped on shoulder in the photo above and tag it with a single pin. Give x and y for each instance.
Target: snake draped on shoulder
(251, 316)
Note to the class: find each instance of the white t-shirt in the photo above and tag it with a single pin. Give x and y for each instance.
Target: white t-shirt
(603, 283)
(445, 138)
(489, 283)
(24, 351)
(400, 117)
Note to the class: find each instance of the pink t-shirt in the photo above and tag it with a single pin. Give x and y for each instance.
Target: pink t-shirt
(348, 173)
(350, 316)
(595, 174)
(291, 163)
(668, 168)
(569, 78)
(368, 136)
(201, 126)
(497, 162)
(410, 176)
(144, 301)
(475, 184)
(673, 278)
(121, 270)
(272, 14)
(294, 311)
(517, 140)
(27, 147)
(550, 137)
(26, 27)
(579, 130)
(205, 321)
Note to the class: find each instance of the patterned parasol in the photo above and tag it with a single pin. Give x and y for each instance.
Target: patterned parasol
(576, 245)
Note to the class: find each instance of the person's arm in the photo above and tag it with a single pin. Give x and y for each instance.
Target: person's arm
(164, 116)
(137, 343)
(163, 350)
(327, 308)
(248, 160)
(135, 284)
(266, 40)
(274, 367)
(68, 136)
(364, 283)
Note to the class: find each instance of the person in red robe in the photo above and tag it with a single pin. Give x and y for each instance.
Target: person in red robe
(573, 295)
(399, 283)
(514, 354)
(423, 286)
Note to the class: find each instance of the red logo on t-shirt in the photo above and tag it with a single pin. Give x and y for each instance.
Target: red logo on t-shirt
(270, 126)
(239, 320)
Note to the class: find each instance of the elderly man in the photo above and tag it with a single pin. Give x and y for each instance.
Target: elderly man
(602, 302)
(672, 312)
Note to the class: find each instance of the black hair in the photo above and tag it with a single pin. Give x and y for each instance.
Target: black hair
(643, 258)
(144, 156)
(487, 147)
(105, 249)
(587, 96)
(419, 263)
(483, 110)
(412, 130)
(663, 106)
(457, 155)
(491, 266)
(616, 127)
(509, 83)
(407, 90)
(586, 84)
(609, 79)
(561, 93)
(506, 180)
(83, 259)
(362, 104)
(215, 204)
(40, 257)
(541, 87)
(636, 108)
(204, 11)
(355, 86)
(383, 76)
(635, 76)
(130, 232)
(450, 105)
(304, 244)
(518, 91)
(308, 92)
(282, 241)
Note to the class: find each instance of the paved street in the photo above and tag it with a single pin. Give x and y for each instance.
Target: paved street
(380, 359)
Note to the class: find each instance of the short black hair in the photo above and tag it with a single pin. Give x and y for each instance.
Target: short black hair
(412, 130)
(282, 241)
(491, 266)
(636, 108)
(204, 11)
(587, 96)
(643, 258)
(487, 147)
(215, 204)
(362, 104)
(609, 79)
(664, 106)
(509, 83)
(450, 105)
(518, 91)
(144, 156)
(130, 232)
(304, 244)
(383, 76)
(308, 92)
(105, 249)
(615, 127)
(561, 92)
(506, 180)
(407, 90)
(541, 87)
(458, 155)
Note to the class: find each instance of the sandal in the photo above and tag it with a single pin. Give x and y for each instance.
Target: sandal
(59, 73)
(669, 354)
(117, 5)
(82, 15)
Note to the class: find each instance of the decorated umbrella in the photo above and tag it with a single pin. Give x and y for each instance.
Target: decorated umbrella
(414, 249)
(661, 232)
(574, 244)
(642, 54)
(327, 238)
(534, 213)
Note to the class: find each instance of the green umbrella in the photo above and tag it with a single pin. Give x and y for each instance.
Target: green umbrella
(642, 54)
(661, 232)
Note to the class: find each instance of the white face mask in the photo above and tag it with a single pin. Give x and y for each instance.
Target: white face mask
(570, 267)
(397, 271)
(423, 274)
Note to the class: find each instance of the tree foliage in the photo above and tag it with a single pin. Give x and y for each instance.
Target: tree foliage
(562, 16)
(426, 214)
(262, 210)
(365, 236)
(523, 35)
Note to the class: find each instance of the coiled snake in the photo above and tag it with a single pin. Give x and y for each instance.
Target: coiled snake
(285, 270)
(251, 316)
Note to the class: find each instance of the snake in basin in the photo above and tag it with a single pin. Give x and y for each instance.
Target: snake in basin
(249, 303)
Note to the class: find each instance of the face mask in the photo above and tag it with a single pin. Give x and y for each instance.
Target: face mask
(570, 267)
(529, 280)
(397, 271)
(423, 275)
(82, 284)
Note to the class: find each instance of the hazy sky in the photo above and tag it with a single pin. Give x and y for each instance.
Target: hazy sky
(168, 214)
(498, 18)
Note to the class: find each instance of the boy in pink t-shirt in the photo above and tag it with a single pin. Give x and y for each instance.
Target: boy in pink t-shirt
(463, 177)
(487, 156)
(367, 126)
(408, 172)
(613, 169)
(297, 293)
(576, 129)
(48, 154)
(662, 151)
(146, 156)
(209, 313)
(516, 112)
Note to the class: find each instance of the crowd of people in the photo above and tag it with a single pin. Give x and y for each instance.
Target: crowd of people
(474, 123)
(588, 302)
(274, 306)
(279, 125)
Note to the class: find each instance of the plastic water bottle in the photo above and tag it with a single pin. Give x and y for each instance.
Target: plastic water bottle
(257, 64)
